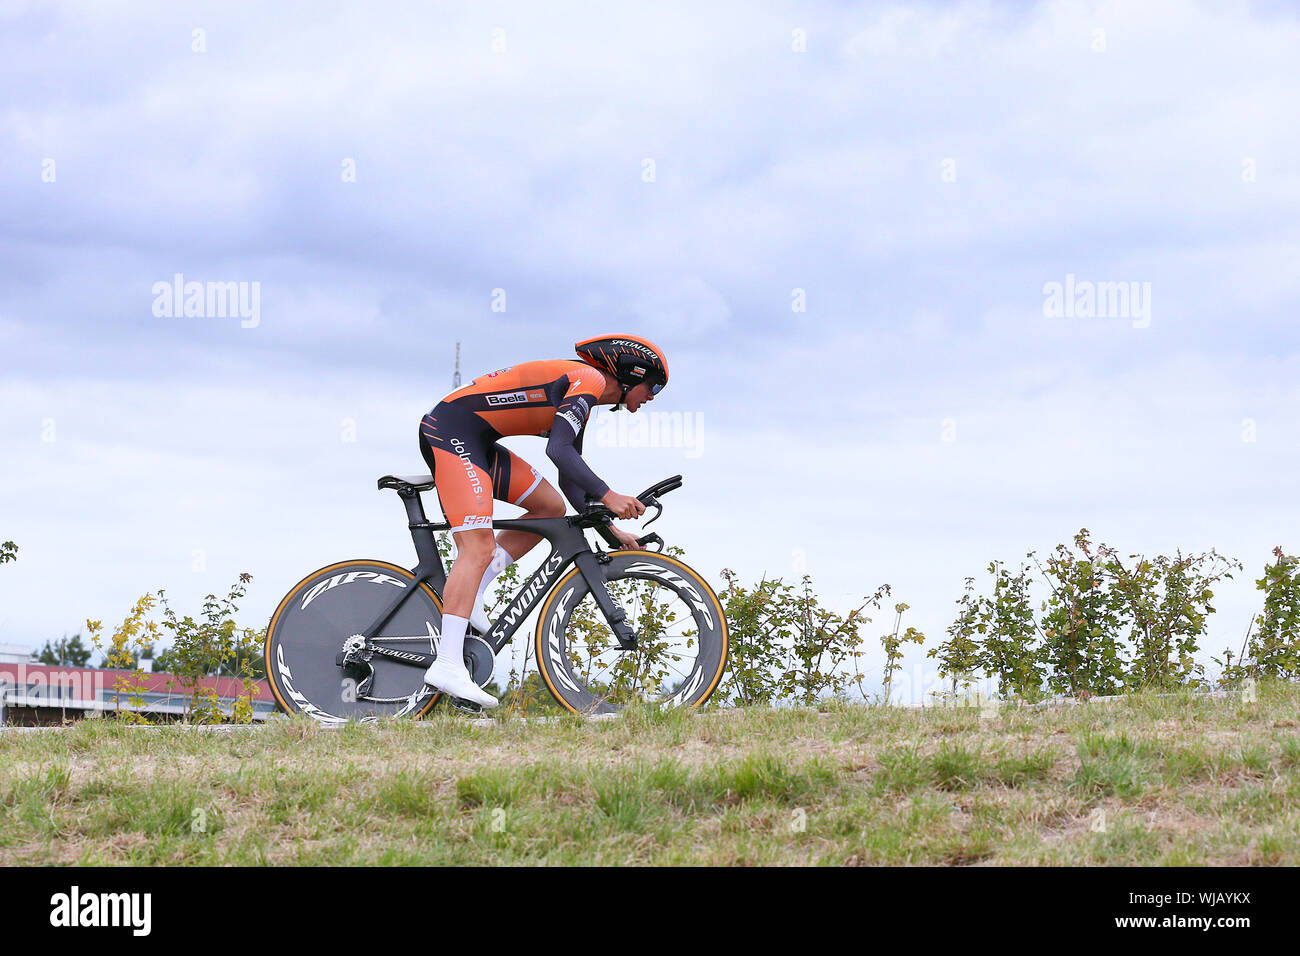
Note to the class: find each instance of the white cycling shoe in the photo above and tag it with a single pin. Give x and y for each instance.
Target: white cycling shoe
(454, 679)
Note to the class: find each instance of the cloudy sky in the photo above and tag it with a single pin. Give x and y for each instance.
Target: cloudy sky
(842, 222)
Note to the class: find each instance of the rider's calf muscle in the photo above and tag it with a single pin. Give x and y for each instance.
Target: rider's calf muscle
(473, 554)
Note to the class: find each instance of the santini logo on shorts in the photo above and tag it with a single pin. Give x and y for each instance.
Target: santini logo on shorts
(508, 398)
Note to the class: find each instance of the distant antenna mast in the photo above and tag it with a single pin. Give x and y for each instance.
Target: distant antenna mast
(455, 376)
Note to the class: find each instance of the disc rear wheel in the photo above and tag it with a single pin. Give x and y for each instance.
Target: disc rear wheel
(323, 616)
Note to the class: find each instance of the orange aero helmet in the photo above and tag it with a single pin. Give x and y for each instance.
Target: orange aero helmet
(629, 358)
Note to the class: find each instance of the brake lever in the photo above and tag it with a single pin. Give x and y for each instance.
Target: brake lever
(653, 502)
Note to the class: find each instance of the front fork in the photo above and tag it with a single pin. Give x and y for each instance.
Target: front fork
(591, 566)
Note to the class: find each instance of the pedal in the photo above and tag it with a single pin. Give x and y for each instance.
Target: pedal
(467, 706)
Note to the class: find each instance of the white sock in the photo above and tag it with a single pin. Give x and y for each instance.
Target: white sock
(451, 646)
(448, 673)
(500, 561)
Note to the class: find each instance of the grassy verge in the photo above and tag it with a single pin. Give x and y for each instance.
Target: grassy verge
(1169, 780)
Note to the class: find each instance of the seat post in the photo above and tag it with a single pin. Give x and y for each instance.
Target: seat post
(426, 546)
(414, 505)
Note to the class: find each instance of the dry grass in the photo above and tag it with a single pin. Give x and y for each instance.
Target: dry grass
(1150, 780)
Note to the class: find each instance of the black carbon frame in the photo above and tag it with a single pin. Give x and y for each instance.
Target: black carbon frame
(569, 545)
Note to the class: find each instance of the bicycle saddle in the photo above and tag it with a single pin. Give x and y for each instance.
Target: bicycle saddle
(418, 482)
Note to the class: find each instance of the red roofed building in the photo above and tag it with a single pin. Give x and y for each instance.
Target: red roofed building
(32, 694)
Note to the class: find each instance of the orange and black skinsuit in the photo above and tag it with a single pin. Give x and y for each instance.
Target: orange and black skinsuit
(458, 439)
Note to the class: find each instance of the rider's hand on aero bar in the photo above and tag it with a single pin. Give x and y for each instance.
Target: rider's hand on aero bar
(623, 506)
(599, 514)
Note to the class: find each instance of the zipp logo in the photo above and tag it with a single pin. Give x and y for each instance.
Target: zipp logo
(374, 577)
(508, 398)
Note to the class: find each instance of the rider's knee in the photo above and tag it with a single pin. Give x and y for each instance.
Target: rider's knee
(545, 502)
(553, 509)
(475, 548)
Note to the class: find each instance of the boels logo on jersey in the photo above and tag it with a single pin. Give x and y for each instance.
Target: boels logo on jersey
(515, 398)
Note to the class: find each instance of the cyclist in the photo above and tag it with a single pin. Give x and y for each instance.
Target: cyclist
(458, 439)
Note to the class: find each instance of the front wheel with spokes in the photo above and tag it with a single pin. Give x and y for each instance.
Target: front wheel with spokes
(681, 648)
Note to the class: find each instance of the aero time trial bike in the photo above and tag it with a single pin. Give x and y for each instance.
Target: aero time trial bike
(352, 640)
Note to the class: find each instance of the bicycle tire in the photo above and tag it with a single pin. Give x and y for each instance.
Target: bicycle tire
(559, 645)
